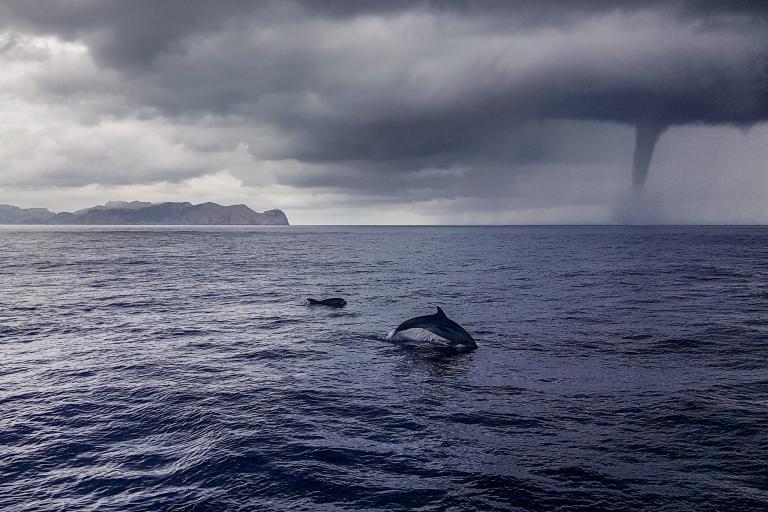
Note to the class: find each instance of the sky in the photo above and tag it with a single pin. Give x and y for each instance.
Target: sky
(391, 112)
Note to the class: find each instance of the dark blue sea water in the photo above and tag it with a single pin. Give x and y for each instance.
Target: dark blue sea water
(178, 369)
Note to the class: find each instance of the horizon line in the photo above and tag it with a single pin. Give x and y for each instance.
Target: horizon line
(396, 225)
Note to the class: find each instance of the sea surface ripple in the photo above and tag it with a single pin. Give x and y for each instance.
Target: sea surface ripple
(166, 368)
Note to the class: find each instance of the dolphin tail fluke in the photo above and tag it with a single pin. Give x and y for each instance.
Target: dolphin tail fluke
(409, 324)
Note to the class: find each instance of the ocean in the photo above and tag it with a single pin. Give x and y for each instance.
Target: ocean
(179, 369)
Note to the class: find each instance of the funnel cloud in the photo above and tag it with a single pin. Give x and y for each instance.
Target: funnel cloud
(646, 135)
(437, 111)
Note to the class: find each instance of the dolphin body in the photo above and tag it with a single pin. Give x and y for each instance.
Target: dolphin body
(442, 326)
(334, 302)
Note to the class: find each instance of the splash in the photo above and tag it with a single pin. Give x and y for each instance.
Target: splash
(415, 334)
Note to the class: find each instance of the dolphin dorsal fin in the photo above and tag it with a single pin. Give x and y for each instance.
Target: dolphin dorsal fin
(440, 312)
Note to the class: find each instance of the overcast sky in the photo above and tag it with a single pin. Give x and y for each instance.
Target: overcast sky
(495, 111)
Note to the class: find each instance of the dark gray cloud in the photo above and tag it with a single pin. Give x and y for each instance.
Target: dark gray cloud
(437, 97)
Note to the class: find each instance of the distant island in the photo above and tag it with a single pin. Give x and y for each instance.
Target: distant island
(138, 212)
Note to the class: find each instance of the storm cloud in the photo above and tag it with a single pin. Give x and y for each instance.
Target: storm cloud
(484, 108)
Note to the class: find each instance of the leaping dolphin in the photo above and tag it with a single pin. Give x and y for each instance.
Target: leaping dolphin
(441, 325)
(334, 302)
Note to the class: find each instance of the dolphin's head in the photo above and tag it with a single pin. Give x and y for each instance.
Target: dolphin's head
(463, 339)
(457, 335)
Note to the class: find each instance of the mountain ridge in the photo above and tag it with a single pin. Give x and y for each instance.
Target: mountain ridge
(138, 212)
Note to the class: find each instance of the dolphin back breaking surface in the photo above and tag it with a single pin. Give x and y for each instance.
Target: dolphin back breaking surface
(333, 302)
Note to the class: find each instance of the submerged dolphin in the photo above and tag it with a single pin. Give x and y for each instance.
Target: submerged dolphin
(442, 326)
(334, 302)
